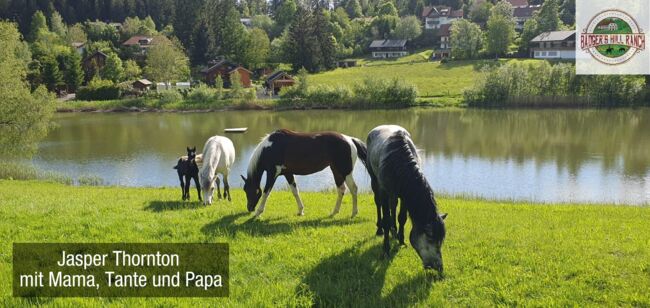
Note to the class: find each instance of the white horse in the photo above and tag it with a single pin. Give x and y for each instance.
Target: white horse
(218, 156)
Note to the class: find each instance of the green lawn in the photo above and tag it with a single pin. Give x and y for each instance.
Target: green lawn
(495, 253)
(444, 82)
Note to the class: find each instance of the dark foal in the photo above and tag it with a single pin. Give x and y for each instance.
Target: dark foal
(187, 168)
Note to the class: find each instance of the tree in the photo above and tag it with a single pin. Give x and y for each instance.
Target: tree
(408, 28)
(285, 13)
(132, 70)
(353, 8)
(56, 24)
(76, 33)
(73, 74)
(236, 87)
(387, 8)
(24, 116)
(326, 41)
(38, 24)
(302, 47)
(166, 62)
(466, 39)
(257, 52)
(263, 22)
(500, 29)
(113, 69)
(548, 18)
(568, 12)
(500, 33)
(52, 76)
(529, 32)
(480, 13)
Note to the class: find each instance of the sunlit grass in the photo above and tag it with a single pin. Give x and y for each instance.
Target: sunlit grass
(495, 254)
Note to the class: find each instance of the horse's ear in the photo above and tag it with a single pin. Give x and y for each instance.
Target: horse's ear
(194, 149)
(243, 178)
(188, 149)
(443, 216)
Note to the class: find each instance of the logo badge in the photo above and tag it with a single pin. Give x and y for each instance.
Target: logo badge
(612, 37)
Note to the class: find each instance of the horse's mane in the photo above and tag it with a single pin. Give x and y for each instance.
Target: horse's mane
(257, 153)
(402, 164)
(210, 160)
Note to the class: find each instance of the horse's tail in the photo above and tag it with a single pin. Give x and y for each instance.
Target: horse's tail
(362, 150)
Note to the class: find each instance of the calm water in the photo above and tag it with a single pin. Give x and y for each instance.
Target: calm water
(541, 155)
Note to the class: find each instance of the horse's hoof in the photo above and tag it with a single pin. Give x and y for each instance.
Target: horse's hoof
(379, 232)
(301, 213)
(354, 214)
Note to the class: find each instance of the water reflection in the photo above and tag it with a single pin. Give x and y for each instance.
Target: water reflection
(543, 155)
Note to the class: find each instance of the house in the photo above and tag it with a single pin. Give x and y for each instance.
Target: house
(444, 32)
(436, 16)
(554, 45)
(247, 22)
(523, 14)
(225, 69)
(93, 63)
(79, 47)
(141, 43)
(278, 80)
(142, 85)
(388, 48)
(518, 3)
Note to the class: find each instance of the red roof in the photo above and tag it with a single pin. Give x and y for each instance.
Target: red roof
(445, 30)
(138, 40)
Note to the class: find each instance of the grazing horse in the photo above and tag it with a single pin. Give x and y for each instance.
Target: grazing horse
(290, 153)
(394, 167)
(218, 157)
(187, 168)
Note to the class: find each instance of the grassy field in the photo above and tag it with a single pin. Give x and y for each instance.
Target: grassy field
(440, 82)
(495, 253)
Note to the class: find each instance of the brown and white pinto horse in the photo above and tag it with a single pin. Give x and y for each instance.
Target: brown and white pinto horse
(290, 153)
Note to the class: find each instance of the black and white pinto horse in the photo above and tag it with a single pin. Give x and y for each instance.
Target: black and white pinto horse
(188, 167)
(290, 153)
(394, 167)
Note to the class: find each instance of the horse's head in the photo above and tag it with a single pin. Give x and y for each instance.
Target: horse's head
(253, 193)
(427, 241)
(191, 154)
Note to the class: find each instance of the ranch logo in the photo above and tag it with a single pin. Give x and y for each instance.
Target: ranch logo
(612, 37)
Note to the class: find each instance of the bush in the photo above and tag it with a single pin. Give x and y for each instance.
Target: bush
(21, 171)
(385, 93)
(99, 90)
(543, 84)
(202, 94)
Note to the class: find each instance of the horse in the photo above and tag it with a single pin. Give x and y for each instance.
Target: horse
(187, 168)
(218, 157)
(394, 167)
(288, 153)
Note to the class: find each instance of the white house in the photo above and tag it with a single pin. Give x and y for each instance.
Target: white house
(388, 48)
(554, 45)
(436, 16)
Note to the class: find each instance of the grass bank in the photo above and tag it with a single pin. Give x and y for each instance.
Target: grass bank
(495, 253)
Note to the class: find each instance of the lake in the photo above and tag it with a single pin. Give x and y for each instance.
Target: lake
(595, 156)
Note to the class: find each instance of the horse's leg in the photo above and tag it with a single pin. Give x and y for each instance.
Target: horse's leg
(187, 186)
(226, 187)
(402, 221)
(352, 186)
(392, 201)
(294, 189)
(340, 187)
(377, 196)
(180, 178)
(198, 186)
(217, 182)
(271, 176)
(386, 222)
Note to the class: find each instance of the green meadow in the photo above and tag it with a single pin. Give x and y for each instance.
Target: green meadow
(496, 253)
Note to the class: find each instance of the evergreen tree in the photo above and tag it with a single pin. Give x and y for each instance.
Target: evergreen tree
(57, 25)
(326, 41)
(73, 74)
(52, 76)
(302, 47)
(38, 24)
(353, 8)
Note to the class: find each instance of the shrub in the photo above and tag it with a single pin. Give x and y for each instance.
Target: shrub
(202, 94)
(100, 90)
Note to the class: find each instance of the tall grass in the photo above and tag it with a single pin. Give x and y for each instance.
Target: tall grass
(544, 84)
(22, 171)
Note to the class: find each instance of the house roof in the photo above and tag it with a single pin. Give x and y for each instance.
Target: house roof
(238, 68)
(518, 3)
(277, 75)
(135, 40)
(441, 11)
(554, 36)
(77, 44)
(144, 82)
(96, 53)
(525, 11)
(219, 64)
(387, 43)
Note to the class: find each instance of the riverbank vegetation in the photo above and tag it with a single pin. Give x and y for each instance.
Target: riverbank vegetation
(496, 253)
(542, 84)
